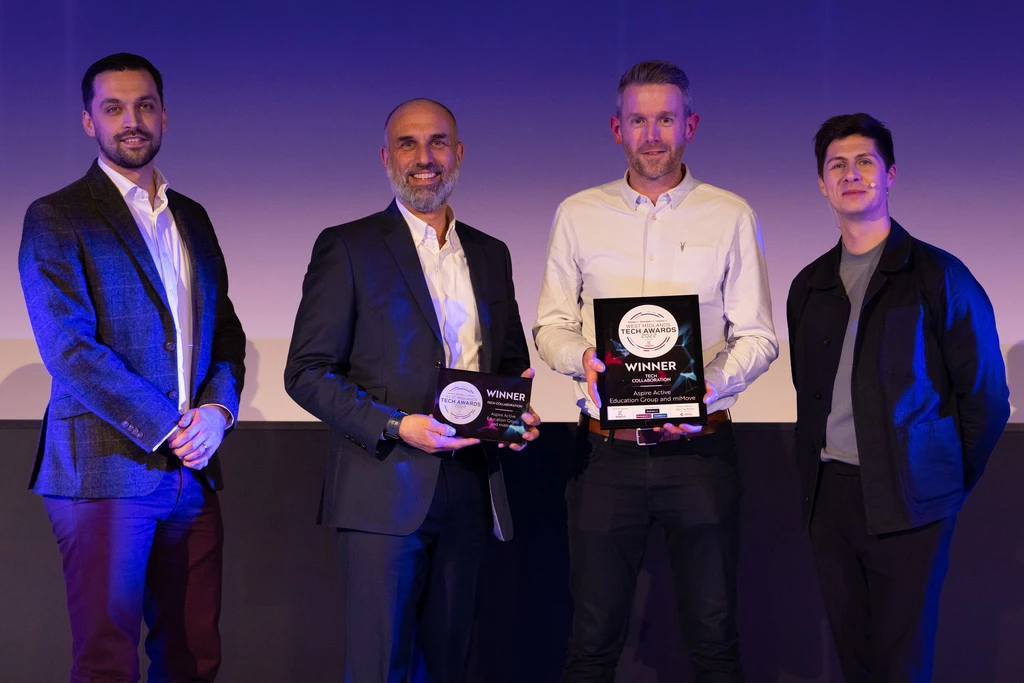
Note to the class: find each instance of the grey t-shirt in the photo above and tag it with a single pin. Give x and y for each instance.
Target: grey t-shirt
(855, 270)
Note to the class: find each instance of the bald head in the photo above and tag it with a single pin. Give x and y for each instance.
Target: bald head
(422, 154)
(422, 105)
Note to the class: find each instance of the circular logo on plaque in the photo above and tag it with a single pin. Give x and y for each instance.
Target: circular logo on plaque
(460, 402)
(648, 331)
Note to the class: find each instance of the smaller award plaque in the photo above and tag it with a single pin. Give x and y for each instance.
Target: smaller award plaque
(481, 405)
(654, 371)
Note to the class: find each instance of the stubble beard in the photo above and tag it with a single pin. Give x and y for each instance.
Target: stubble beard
(131, 158)
(654, 169)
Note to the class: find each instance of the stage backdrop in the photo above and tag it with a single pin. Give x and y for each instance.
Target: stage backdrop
(276, 115)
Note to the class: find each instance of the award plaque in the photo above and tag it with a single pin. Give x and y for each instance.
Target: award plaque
(654, 370)
(481, 405)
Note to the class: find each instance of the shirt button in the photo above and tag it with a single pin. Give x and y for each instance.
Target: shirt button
(817, 395)
(826, 341)
(169, 346)
(651, 257)
(654, 218)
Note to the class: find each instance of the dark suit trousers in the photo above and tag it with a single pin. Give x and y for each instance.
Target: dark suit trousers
(410, 599)
(881, 592)
(156, 557)
(616, 491)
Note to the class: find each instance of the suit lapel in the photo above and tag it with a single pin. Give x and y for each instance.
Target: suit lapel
(476, 258)
(399, 241)
(114, 210)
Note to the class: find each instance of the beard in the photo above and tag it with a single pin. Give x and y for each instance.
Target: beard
(130, 158)
(654, 169)
(423, 199)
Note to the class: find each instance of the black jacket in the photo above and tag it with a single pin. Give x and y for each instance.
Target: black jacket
(929, 387)
(367, 341)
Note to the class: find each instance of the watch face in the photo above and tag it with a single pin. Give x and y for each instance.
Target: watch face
(393, 424)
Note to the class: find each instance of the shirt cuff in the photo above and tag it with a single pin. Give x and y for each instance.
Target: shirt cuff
(230, 415)
(716, 378)
(164, 440)
(573, 359)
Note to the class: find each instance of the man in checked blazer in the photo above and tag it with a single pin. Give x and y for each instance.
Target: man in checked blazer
(387, 300)
(127, 294)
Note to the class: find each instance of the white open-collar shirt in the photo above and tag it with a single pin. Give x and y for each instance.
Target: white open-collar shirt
(612, 241)
(156, 223)
(451, 290)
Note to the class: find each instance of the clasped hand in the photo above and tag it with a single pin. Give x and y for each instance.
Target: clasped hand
(198, 436)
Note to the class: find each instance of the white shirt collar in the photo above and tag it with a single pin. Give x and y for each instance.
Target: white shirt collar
(421, 230)
(675, 195)
(127, 187)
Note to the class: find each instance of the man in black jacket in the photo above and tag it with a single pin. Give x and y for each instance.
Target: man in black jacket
(901, 397)
(387, 300)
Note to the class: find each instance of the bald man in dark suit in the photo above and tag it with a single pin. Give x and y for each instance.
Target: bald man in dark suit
(386, 301)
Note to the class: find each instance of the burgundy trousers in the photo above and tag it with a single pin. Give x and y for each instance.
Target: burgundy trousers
(156, 557)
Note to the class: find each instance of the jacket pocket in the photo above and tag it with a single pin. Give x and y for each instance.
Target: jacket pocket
(66, 406)
(932, 460)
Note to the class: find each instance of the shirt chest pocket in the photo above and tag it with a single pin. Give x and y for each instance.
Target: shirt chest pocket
(695, 269)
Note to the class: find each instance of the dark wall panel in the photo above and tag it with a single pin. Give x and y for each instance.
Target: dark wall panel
(282, 605)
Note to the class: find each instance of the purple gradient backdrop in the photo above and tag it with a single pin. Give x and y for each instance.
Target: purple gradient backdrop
(276, 118)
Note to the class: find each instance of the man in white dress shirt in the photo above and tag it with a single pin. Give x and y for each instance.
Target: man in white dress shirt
(126, 290)
(387, 300)
(657, 231)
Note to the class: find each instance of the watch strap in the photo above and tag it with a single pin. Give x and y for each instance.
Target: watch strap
(394, 422)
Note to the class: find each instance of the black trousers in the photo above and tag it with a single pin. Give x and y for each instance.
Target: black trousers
(616, 491)
(410, 599)
(881, 592)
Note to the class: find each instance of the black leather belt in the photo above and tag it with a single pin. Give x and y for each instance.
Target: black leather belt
(646, 436)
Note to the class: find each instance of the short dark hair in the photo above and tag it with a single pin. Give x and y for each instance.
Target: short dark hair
(655, 72)
(839, 127)
(122, 61)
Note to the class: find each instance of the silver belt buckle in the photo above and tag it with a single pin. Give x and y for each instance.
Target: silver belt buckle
(643, 441)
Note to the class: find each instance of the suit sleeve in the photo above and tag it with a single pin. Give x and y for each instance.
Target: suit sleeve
(974, 361)
(225, 377)
(515, 354)
(60, 307)
(318, 358)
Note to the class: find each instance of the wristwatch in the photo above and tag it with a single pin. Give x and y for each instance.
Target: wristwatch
(394, 422)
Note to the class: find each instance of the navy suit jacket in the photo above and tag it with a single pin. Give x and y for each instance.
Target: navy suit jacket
(106, 335)
(367, 341)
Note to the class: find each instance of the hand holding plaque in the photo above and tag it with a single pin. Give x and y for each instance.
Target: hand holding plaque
(654, 372)
(483, 406)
